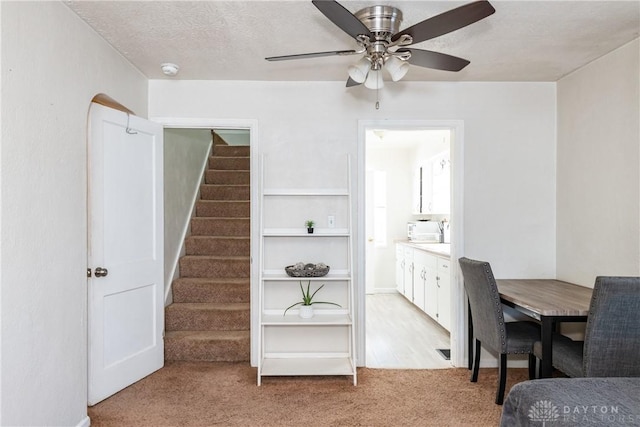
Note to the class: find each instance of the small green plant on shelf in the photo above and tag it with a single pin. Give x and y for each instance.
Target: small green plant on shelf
(309, 223)
(307, 297)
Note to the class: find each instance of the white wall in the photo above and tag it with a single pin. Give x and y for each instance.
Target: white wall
(598, 163)
(509, 169)
(509, 152)
(52, 66)
(185, 157)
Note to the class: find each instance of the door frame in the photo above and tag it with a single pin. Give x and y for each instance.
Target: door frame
(458, 305)
(252, 126)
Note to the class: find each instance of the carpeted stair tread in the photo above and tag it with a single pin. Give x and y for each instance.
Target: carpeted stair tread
(207, 346)
(220, 226)
(232, 150)
(223, 208)
(207, 316)
(202, 290)
(229, 163)
(214, 266)
(218, 245)
(214, 176)
(224, 192)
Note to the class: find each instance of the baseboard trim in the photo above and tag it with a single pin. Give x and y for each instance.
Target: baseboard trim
(86, 422)
(385, 291)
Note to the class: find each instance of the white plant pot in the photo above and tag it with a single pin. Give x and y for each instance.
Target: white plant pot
(306, 311)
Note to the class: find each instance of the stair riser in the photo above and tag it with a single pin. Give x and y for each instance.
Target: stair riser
(213, 268)
(220, 227)
(229, 163)
(231, 150)
(224, 192)
(206, 320)
(207, 350)
(223, 209)
(184, 291)
(227, 177)
(218, 246)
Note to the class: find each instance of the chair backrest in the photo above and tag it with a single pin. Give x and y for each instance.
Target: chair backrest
(612, 336)
(486, 307)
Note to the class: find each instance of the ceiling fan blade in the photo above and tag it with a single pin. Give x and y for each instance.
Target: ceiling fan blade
(351, 82)
(436, 60)
(312, 55)
(446, 22)
(341, 17)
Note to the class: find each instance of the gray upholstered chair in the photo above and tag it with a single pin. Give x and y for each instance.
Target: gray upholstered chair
(611, 346)
(489, 328)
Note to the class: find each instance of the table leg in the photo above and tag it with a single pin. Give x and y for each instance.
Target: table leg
(547, 350)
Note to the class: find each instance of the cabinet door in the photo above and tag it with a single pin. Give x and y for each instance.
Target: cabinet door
(400, 269)
(408, 273)
(426, 267)
(444, 293)
(419, 285)
(431, 291)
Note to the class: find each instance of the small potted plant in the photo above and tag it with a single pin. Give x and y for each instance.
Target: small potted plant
(306, 305)
(309, 223)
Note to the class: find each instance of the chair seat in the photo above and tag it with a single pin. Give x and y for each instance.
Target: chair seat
(567, 355)
(520, 335)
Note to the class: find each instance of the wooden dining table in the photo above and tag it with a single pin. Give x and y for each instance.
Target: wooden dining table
(550, 302)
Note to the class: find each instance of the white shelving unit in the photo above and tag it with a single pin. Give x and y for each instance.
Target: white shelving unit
(325, 344)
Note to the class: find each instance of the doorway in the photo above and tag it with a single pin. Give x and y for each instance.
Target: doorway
(392, 156)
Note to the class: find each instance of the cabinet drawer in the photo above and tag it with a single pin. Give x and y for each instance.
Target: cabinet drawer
(425, 259)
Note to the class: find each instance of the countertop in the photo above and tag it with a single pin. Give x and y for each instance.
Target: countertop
(441, 249)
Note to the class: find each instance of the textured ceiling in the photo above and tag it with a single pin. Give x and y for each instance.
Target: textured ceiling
(228, 40)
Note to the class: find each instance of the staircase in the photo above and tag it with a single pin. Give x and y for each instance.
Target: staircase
(209, 317)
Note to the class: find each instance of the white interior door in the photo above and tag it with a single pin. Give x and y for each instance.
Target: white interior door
(126, 237)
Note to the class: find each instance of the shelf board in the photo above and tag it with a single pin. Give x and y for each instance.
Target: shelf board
(278, 275)
(302, 232)
(292, 319)
(290, 366)
(305, 192)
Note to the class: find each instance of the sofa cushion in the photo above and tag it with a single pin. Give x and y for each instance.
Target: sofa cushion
(573, 402)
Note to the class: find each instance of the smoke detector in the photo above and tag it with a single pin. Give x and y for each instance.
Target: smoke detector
(169, 69)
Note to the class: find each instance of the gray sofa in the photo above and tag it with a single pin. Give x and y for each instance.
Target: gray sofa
(556, 402)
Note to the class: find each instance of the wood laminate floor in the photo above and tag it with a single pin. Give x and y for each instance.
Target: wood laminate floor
(400, 336)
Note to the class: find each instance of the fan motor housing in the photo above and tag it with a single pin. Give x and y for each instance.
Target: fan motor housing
(382, 21)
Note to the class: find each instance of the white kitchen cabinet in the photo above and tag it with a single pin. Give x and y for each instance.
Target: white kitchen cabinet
(288, 344)
(426, 278)
(430, 279)
(408, 273)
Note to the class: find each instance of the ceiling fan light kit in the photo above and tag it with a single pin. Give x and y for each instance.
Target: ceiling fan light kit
(358, 71)
(397, 68)
(374, 80)
(376, 30)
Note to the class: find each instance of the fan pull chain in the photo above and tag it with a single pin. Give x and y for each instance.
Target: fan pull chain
(378, 93)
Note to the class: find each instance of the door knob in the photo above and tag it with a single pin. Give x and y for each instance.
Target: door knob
(101, 272)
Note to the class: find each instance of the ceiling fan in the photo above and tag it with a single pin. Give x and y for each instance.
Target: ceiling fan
(376, 31)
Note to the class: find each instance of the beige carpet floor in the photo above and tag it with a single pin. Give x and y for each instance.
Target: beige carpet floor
(225, 394)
